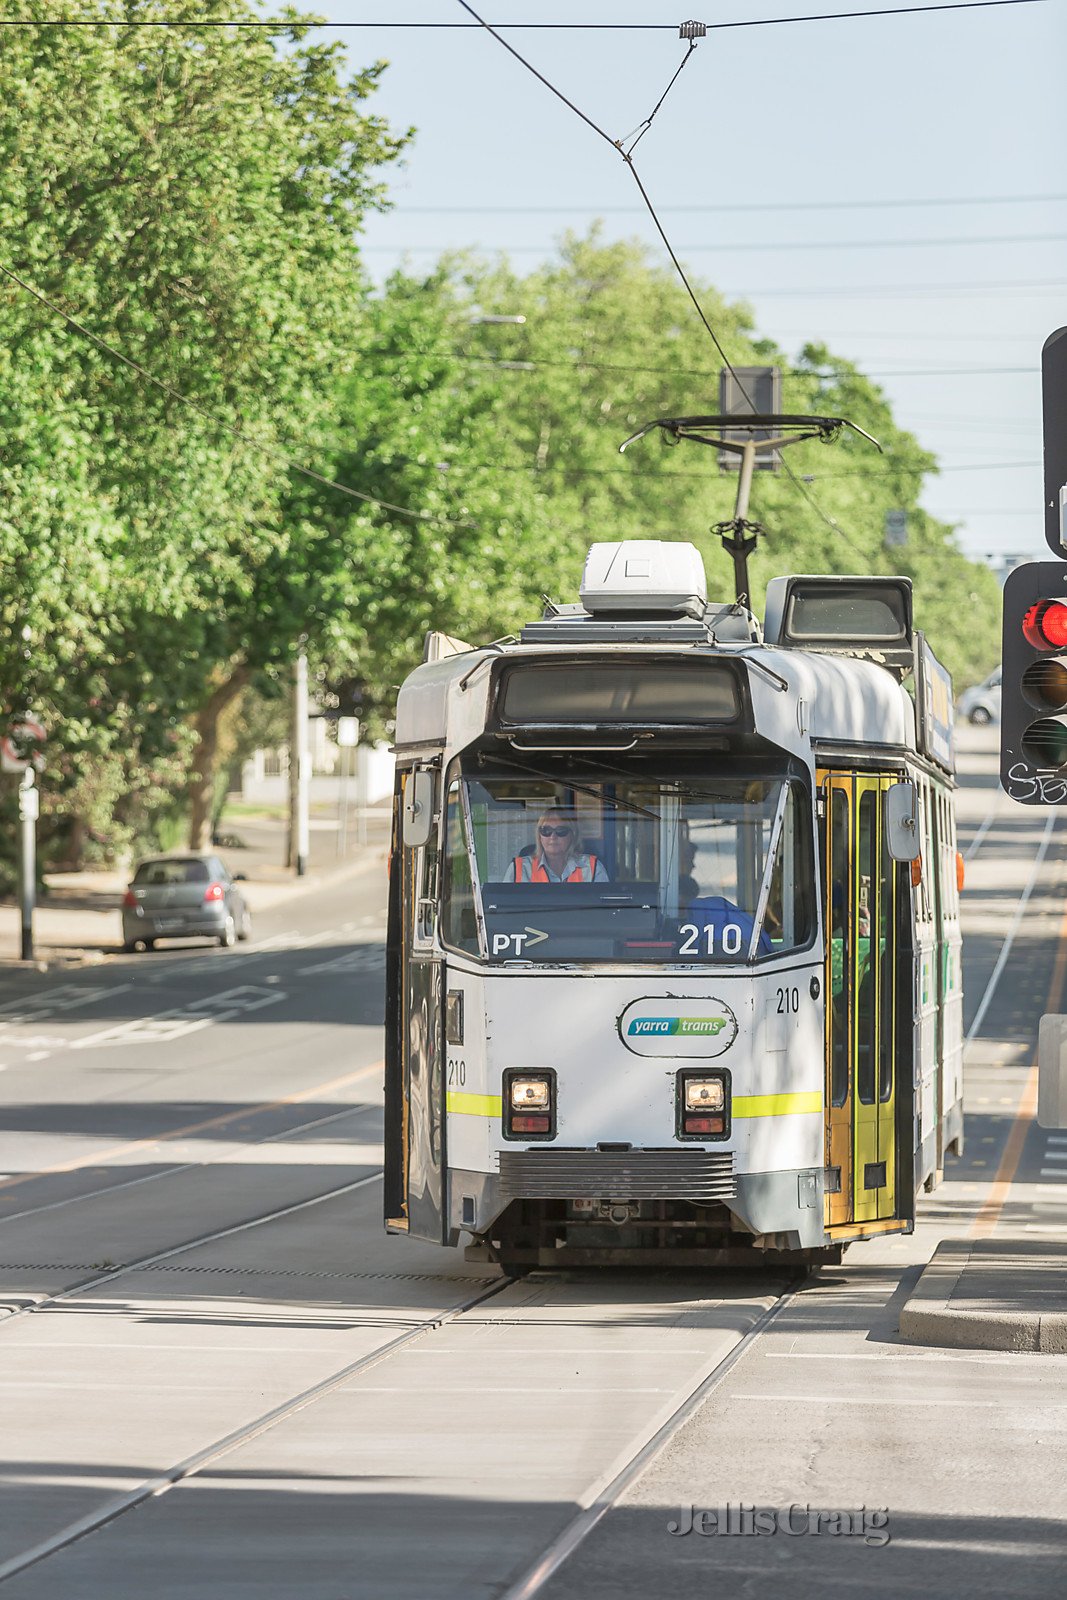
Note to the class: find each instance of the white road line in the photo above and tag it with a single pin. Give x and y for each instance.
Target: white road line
(1009, 939)
(1055, 1155)
(1008, 1403)
(1053, 1172)
(161, 1027)
(973, 847)
(64, 997)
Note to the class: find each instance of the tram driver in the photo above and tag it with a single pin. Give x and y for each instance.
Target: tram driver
(556, 856)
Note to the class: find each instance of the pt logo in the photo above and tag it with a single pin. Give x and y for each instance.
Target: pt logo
(513, 944)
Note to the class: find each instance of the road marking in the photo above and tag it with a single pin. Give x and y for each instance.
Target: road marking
(1009, 1402)
(194, 1127)
(1055, 1155)
(1009, 938)
(973, 847)
(65, 997)
(1052, 1172)
(367, 956)
(162, 1027)
(986, 1220)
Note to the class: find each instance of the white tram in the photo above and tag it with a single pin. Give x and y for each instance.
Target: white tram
(674, 943)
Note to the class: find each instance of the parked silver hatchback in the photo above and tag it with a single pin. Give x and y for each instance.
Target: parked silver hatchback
(181, 895)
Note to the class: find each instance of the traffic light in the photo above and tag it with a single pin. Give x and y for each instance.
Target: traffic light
(1033, 718)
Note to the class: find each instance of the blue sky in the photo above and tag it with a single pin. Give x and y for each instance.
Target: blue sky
(820, 127)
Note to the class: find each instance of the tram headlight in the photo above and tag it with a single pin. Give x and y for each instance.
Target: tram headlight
(702, 1101)
(529, 1103)
(704, 1094)
(530, 1094)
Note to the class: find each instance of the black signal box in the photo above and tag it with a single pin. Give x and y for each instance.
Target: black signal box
(1033, 718)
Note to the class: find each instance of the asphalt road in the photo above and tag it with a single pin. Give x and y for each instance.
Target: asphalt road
(219, 1378)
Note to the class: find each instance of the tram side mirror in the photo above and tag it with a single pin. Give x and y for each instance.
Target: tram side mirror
(902, 822)
(418, 809)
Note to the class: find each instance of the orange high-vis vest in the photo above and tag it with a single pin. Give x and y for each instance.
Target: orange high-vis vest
(538, 873)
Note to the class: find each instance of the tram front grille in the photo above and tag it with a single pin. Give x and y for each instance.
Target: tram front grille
(554, 1174)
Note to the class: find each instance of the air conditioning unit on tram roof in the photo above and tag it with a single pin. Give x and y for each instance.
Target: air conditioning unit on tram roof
(643, 577)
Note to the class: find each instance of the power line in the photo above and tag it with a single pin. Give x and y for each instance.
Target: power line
(547, 27)
(627, 156)
(202, 411)
(523, 363)
(731, 206)
(777, 244)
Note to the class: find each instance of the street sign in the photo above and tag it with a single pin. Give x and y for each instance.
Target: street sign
(1054, 413)
(18, 746)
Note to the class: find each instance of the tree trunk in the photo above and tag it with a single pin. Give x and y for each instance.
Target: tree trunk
(205, 758)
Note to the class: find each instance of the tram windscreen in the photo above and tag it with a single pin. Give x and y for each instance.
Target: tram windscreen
(679, 870)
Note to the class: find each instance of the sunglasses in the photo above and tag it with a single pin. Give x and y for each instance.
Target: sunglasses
(555, 833)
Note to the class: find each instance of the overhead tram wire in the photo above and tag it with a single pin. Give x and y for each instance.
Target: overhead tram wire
(776, 205)
(627, 156)
(546, 27)
(260, 445)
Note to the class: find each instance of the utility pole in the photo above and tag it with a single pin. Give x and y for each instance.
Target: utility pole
(299, 771)
(29, 806)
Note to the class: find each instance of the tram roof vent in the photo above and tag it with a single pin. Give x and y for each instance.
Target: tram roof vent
(644, 577)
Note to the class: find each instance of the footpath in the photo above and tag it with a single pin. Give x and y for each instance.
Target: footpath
(78, 919)
(991, 1294)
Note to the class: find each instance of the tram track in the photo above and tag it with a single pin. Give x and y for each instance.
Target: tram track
(187, 1166)
(144, 1263)
(635, 1460)
(159, 1483)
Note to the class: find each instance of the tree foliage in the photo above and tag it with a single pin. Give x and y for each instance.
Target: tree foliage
(185, 325)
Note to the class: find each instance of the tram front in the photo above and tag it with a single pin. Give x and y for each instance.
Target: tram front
(606, 1018)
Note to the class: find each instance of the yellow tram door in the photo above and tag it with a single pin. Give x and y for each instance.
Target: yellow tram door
(859, 905)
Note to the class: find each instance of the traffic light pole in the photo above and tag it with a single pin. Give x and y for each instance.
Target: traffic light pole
(29, 803)
(1033, 718)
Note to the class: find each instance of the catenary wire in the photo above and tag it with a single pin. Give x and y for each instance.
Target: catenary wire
(775, 205)
(753, 245)
(239, 433)
(627, 157)
(548, 27)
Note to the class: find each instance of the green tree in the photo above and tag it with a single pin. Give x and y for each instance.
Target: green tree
(190, 197)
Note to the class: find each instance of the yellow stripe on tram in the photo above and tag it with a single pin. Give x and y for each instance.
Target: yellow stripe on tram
(777, 1105)
(473, 1105)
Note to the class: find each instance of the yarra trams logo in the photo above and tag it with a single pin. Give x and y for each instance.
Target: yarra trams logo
(670, 1025)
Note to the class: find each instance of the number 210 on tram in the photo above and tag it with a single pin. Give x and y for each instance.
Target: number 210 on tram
(674, 955)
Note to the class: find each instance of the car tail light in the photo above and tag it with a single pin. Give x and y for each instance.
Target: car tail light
(214, 892)
(702, 1104)
(529, 1103)
(129, 898)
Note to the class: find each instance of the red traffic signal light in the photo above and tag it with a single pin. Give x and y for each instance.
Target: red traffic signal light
(1045, 625)
(1033, 733)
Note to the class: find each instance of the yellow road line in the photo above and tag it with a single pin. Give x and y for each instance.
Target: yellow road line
(194, 1127)
(988, 1217)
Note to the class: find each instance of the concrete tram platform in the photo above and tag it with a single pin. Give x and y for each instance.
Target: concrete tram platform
(991, 1294)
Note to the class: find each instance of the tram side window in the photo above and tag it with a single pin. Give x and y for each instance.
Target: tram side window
(867, 947)
(459, 918)
(886, 925)
(840, 946)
